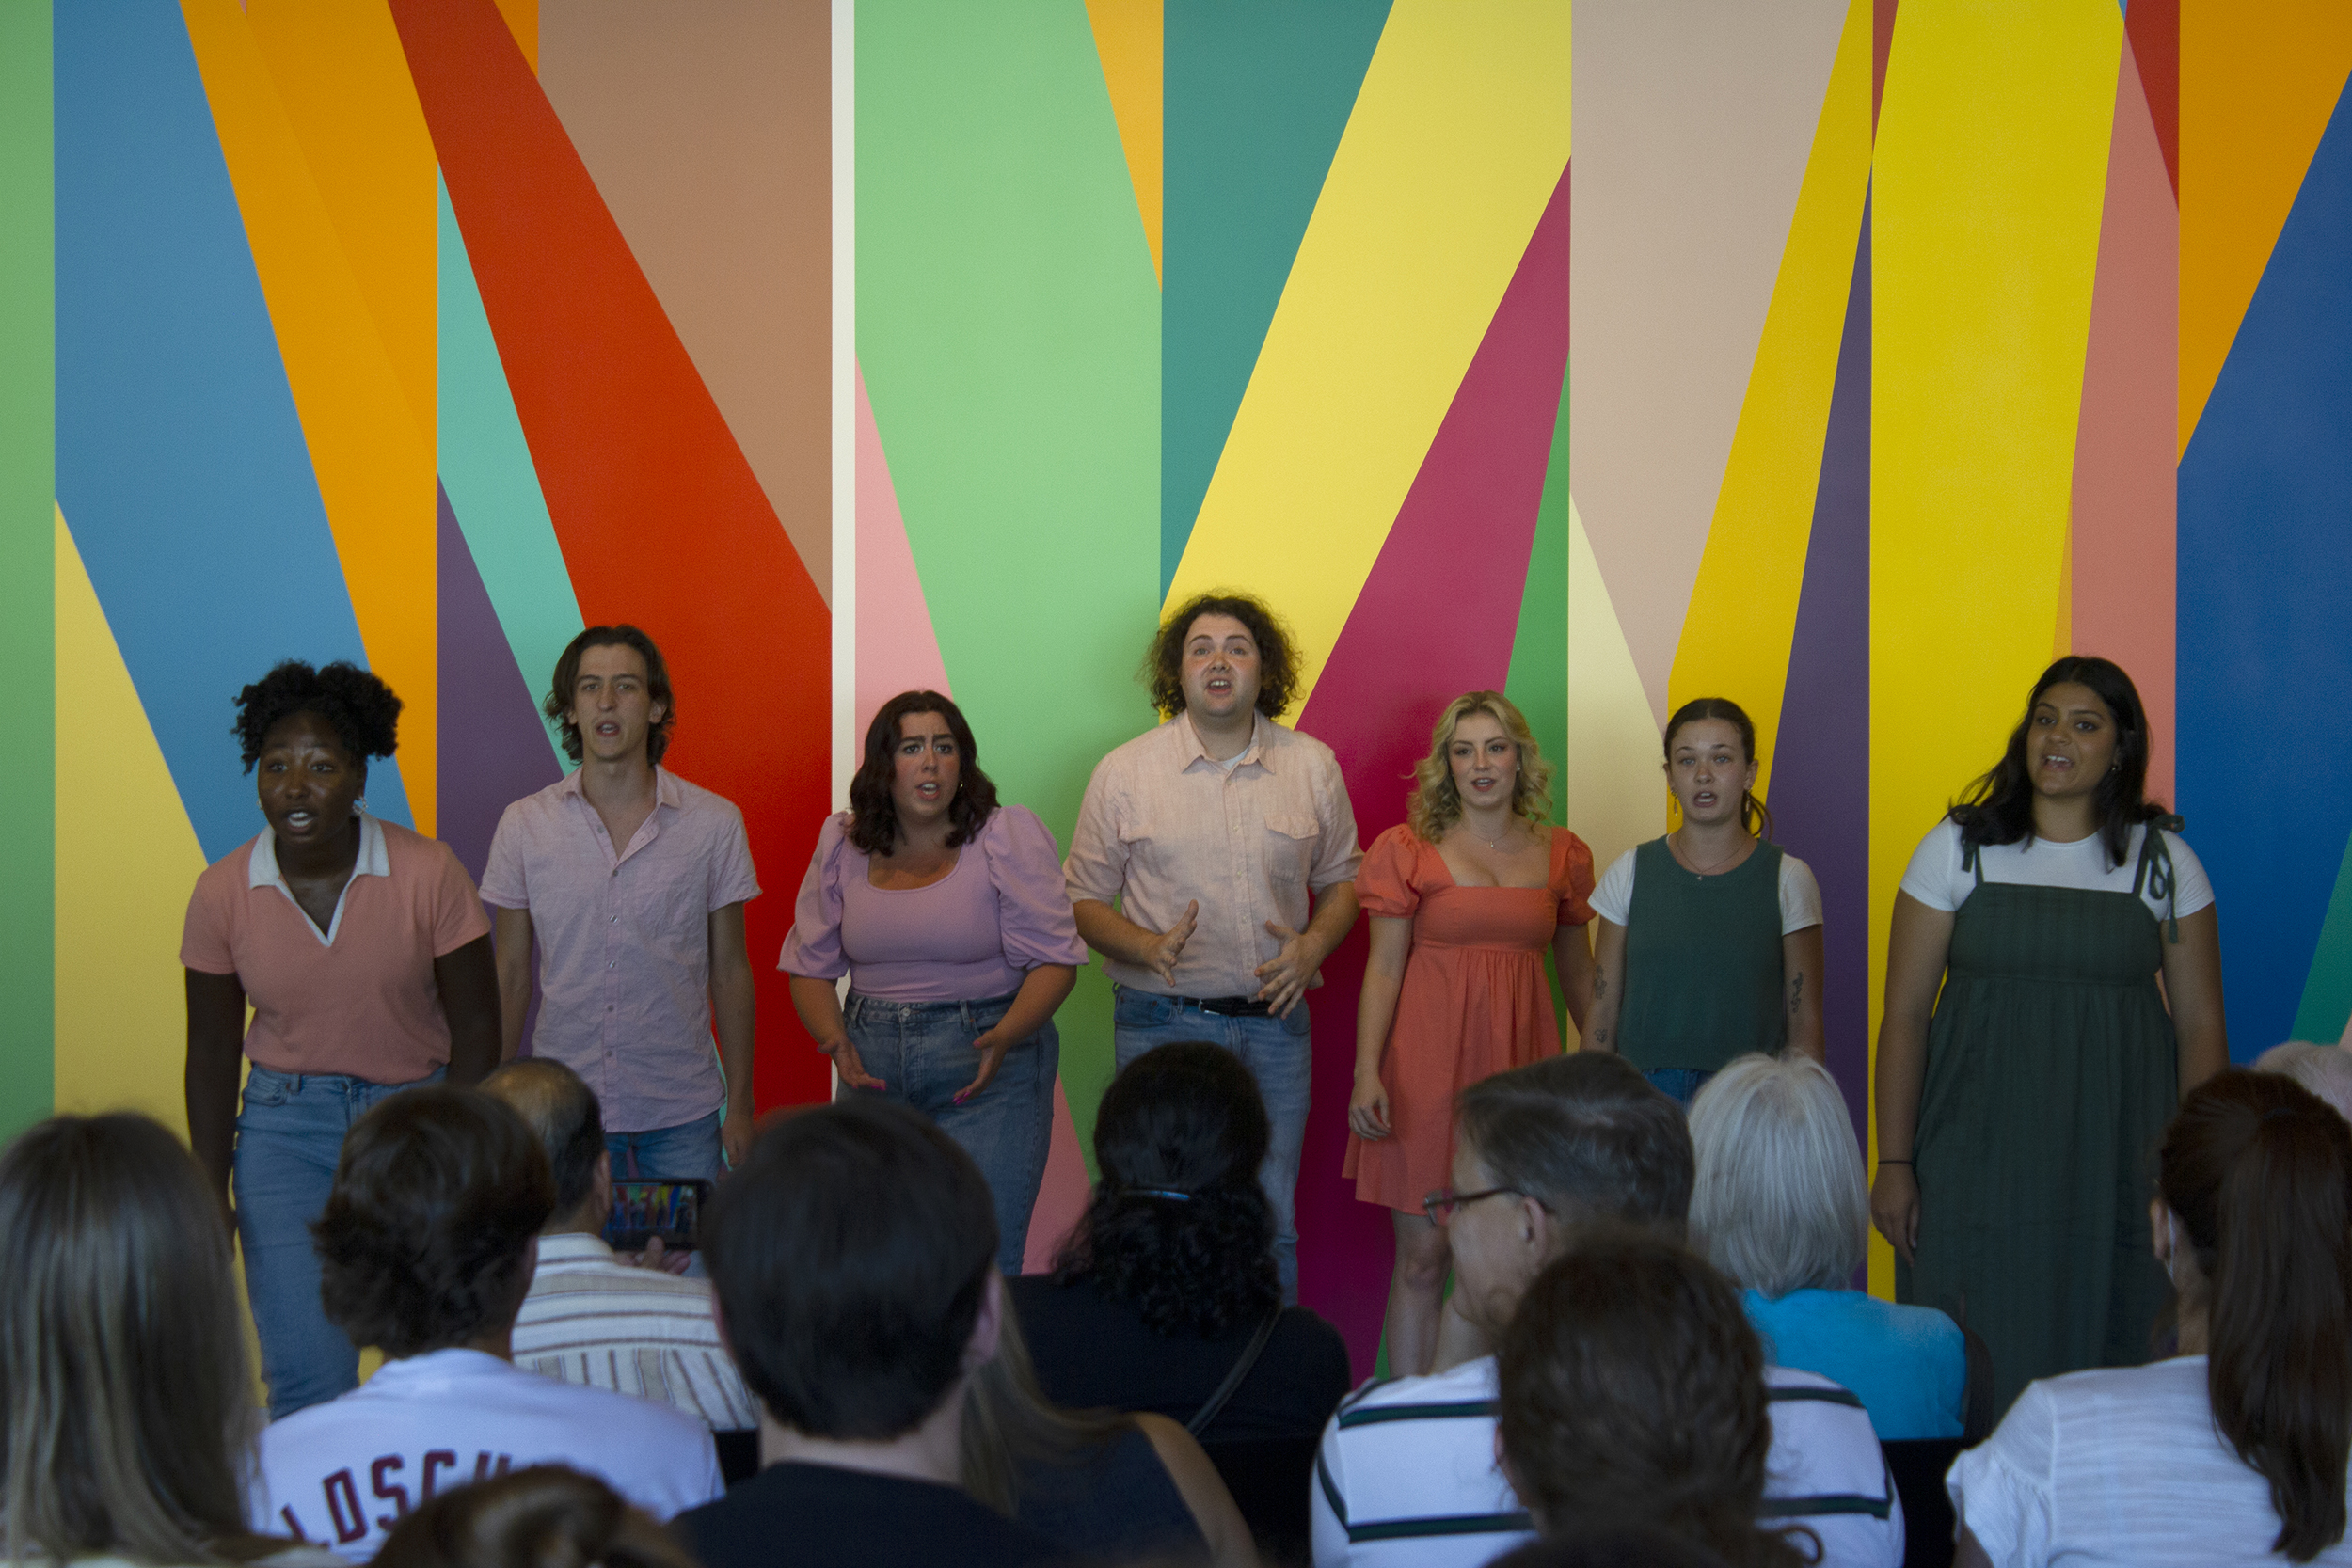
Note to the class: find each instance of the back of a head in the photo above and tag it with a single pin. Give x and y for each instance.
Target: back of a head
(122, 1364)
(1621, 1547)
(426, 1234)
(1780, 1203)
(1587, 1136)
(545, 1517)
(2323, 1069)
(2258, 1171)
(852, 1254)
(1632, 1393)
(561, 1113)
(1178, 1228)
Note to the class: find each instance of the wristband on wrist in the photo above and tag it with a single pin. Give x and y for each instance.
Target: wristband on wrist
(1897, 1163)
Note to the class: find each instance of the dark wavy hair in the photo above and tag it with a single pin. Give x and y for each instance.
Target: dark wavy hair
(2258, 1170)
(1632, 1393)
(356, 704)
(559, 700)
(545, 1517)
(1187, 1120)
(873, 818)
(1997, 807)
(1279, 668)
(425, 1239)
(1753, 815)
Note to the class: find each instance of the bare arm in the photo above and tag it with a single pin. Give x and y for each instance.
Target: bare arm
(216, 1044)
(510, 933)
(1203, 1490)
(1283, 979)
(1601, 1031)
(1042, 989)
(1970, 1553)
(1572, 956)
(1801, 965)
(2192, 987)
(1918, 949)
(469, 981)
(1375, 1011)
(1111, 933)
(735, 1012)
(819, 1005)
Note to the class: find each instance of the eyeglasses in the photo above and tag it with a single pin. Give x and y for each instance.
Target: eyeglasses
(1445, 1200)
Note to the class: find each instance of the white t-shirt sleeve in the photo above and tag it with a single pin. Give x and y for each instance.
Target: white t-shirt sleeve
(2192, 890)
(1934, 877)
(1612, 898)
(2001, 1489)
(1799, 895)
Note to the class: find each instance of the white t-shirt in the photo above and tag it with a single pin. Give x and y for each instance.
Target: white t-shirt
(2119, 1466)
(1799, 895)
(341, 1474)
(1936, 879)
(1406, 1475)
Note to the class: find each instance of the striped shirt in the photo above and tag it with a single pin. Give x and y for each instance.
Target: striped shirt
(1407, 1474)
(592, 1320)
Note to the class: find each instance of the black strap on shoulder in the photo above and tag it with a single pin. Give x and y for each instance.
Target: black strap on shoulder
(1249, 1354)
(2154, 872)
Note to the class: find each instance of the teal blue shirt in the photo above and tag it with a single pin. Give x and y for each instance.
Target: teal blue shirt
(1908, 1365)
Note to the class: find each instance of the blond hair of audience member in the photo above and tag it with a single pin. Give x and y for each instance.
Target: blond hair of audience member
(129, 1397)
(1780, 1203)
(545, 1517)
(1436, 804)
(2323, 1069)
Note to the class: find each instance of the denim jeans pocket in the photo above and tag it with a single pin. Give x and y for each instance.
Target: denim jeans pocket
(265, 1090)
(1142, 1009)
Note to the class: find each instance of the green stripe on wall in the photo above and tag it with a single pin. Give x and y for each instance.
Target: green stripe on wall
(28, 429)
(2328, 984)
(1538, 678)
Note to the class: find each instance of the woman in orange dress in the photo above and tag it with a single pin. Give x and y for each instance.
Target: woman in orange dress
(1463, 899)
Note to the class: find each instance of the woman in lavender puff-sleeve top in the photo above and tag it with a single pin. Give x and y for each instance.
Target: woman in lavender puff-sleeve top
(947, 913)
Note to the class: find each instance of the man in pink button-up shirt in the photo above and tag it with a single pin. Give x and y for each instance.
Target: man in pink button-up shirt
(633, 882)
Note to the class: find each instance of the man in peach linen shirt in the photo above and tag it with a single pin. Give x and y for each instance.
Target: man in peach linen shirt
(1212, 832)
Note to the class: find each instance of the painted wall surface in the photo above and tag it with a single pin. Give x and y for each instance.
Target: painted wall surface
(1917, 340)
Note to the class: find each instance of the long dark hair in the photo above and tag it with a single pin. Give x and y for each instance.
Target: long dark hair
(2258, 1170)
(1178, 1228)
(1753, 815)
(1997, 808)
(873, 819)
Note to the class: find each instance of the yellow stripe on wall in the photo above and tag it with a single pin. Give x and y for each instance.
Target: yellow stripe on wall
(1457, 141)
(1991, 172)
(1616, 781)
(1743, 618)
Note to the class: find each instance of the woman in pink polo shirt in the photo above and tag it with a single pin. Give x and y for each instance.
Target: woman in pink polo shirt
(366, 957)
(947, 913)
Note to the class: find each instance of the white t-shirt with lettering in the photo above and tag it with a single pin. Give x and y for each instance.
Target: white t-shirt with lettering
(1936, 878)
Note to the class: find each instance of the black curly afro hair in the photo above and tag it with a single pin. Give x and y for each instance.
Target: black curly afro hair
(358, 706)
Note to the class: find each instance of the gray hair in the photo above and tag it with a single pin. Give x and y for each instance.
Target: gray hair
(2323, 1069)
(1587, 1137)
(1781, 1204)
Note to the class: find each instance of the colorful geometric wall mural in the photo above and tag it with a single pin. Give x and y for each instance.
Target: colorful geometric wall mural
(869, 346)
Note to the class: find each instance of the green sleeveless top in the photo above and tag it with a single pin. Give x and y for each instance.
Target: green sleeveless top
(1701, 961)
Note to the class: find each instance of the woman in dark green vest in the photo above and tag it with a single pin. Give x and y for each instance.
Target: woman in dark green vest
(2029, 1060)
(1710, 941)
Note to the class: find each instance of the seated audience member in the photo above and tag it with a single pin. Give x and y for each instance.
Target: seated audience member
(545, 1517)
(590, 1318)
(1408, 1472)
(1632, 1393)
(1104, 1486)
(855, 1259)
(1169, 1275)
(2233, 1451)
(424, 1251)
(126, 1397)
(1634, 1546)
(2323, 1069)
(1782, 1207)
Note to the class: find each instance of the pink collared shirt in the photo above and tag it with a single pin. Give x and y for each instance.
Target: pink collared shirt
(625, 941)
(1163, 824)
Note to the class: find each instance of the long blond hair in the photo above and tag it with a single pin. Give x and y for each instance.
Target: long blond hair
(1436, 805)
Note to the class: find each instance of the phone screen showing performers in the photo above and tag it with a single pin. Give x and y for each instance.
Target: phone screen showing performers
(644, 1210)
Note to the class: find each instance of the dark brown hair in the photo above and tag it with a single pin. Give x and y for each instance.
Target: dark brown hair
(560, 699)
(355, 704)
(1278, 670)
(1997, 808)
(1753, 815)
(1632, 1393)
(873, 817)
(2259, 1172)
(545, 1517)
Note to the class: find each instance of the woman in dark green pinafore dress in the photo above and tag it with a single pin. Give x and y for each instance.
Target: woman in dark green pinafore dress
(1710, 941)
(2018, 1109)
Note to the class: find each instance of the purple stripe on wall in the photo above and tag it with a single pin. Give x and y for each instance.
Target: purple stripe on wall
(1821, 791)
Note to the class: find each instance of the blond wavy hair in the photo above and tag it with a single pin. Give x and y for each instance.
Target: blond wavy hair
(1436, 805)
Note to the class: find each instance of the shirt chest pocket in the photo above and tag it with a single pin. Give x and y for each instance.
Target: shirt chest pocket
(1291, 838)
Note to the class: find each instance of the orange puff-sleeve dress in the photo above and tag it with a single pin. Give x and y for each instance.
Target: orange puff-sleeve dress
(1474, 1001)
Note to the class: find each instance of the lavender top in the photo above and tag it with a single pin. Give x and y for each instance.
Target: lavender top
(972, 934)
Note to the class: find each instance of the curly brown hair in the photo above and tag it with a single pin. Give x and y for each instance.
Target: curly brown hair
(1633, 1392)
(1280, 670)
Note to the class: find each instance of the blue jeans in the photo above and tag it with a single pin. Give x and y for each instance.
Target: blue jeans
(686, 1152)
(290, 1134)
(1679, 1084)
(1278, 1053)
(922, 1052)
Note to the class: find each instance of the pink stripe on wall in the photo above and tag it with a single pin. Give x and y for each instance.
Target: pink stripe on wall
(896, 650)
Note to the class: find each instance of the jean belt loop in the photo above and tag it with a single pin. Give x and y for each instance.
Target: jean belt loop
(963, 1014)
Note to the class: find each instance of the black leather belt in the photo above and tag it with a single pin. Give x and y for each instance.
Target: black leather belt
(1226, 1006)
